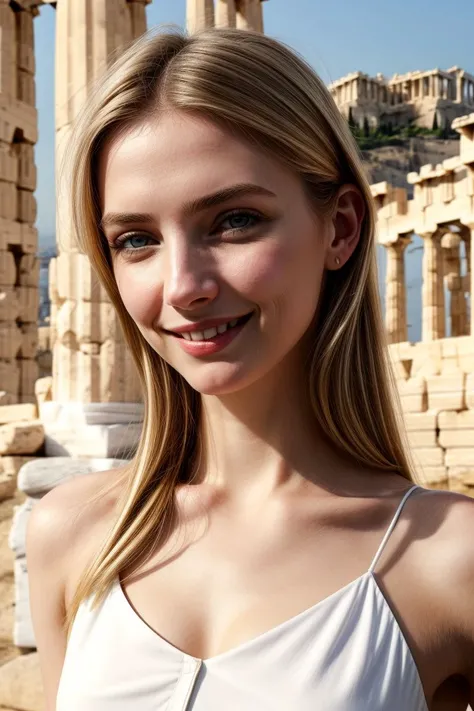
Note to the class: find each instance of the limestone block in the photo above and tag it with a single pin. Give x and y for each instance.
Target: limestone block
(6, 398)
(456, 420)
(456, 438)
(420, 421)
(436, 476)
(26, 166)
(10, 234)
(109, 441)
(427, 359)
(466, 363)
(29, 238)
(17, 115)
(465, 474)
(44, 338)
(8, 201)
(29, 340)
(76, 280)
(87, 321)
(43, 390)
(8, 163)
(39, 476)
(29, 270)
(78, 414)
(429, 456)
(21, 515)
(27, 208)
(21, 437)
(23, 633)
(110, 328)
(26, 87)
(7, 269)
(413, 394)
(10, 376)
(460, 456)
(426, 438)
(10, 340)
(17, 413)
(9, 304)
(7, 53)
(446, 392)
(7, 485)
(88, 385)
(12, 465)
(20, 684)
(470, 390)
(28, 298)
(28, 377)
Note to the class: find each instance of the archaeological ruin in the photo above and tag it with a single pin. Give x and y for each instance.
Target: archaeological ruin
(86, 415)
(427, 99)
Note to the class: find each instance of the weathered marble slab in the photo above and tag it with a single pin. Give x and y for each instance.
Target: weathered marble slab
(39, 476)
(92, 441)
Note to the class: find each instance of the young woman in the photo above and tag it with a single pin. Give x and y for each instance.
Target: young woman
(266, 548)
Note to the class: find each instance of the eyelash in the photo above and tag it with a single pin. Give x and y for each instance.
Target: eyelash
(257, 217)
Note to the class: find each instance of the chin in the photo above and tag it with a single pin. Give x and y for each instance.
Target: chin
(220, 379)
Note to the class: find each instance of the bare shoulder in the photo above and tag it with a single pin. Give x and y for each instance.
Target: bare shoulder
(445, 522)
(70, 517)
(64, 530)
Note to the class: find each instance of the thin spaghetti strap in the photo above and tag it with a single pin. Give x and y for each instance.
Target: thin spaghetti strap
(391, 527)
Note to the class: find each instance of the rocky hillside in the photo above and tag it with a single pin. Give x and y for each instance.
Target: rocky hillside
(392, 163)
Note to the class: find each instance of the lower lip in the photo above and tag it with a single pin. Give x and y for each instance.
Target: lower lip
(213, 345)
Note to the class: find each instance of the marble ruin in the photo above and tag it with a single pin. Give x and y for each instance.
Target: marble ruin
(87, 415)
(428, 99)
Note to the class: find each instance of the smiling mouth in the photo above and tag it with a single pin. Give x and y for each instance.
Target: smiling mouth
(209, 333)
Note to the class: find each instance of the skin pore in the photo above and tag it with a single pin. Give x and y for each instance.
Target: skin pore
(202, 225)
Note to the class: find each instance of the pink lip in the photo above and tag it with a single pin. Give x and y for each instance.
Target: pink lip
(203, 325)
(212, 345)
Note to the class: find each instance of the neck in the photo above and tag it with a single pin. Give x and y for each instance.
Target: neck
(266, 437)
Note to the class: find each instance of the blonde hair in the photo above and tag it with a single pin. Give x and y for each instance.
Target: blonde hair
(261, 89)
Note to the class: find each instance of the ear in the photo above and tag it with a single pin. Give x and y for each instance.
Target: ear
(346, 226)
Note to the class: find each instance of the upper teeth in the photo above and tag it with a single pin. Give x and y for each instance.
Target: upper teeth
(209, 332)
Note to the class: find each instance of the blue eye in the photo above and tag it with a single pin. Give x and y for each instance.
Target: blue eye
(120, 244)
(239, 221)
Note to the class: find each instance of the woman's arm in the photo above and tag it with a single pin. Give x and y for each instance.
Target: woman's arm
(47, 540)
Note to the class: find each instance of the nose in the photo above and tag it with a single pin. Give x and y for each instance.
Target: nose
(190, 279)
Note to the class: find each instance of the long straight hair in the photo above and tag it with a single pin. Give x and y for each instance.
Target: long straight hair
(262, 90)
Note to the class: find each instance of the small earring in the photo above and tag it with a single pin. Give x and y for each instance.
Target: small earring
(338, 261)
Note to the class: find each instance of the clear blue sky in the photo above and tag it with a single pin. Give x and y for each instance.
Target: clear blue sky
(335, 36)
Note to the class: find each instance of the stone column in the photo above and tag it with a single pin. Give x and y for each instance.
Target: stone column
(19, 267)
(91, 363)
(225, 13)
(450, 243)
(433, 308)
(470, 269)
(250, 15)
(199, 15)
(395, 295)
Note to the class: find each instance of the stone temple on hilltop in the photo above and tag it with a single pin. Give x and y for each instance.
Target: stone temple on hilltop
(428, 99)
(88, 413)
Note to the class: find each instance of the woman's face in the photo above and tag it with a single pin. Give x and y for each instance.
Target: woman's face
(206, 229)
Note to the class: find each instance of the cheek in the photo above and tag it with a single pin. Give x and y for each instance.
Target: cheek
(282, 272)
(140, 290)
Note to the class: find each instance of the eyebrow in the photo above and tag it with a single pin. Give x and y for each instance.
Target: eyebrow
(198, 205)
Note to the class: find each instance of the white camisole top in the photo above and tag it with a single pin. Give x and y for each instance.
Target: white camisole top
(345, 653)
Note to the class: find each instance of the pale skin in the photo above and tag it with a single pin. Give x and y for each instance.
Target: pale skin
(276, 504)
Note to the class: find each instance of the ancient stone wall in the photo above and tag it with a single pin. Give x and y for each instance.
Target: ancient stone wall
(416, 96)
(19, 267)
